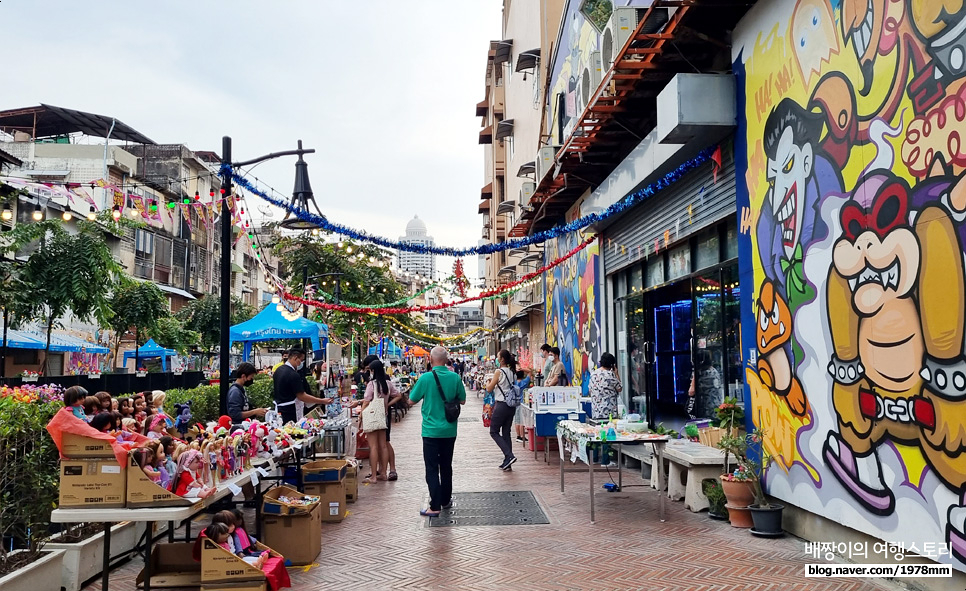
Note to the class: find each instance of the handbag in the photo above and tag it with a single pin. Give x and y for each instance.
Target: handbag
(374, 416)
(452, 408)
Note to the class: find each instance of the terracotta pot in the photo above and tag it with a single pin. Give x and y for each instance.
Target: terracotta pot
(740, 494)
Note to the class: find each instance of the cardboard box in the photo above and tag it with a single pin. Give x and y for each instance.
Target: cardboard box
(142, 492)
(272, 506)
(172, 566)
(221, 566)
(94, 482)
(333, 499)
(296, 537)
(324, 471)
(352, 482)
(78, 446)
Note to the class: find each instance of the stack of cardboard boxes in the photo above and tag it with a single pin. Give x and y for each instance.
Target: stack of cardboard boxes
(327, 479)
(293, 530)
(90, 475)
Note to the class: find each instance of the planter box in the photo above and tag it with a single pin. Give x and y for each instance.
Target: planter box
(83, 560)
(141, 374)
(30, 379)
(43, 573)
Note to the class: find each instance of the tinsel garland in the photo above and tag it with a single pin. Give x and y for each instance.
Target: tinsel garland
(443, 306)
(439, 338)
(330, 297)
(540, 237)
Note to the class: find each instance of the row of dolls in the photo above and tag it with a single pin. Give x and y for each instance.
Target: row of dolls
(227, 529)
(141, 413)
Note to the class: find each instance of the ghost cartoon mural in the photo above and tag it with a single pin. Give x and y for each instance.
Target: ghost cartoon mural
(854, 192)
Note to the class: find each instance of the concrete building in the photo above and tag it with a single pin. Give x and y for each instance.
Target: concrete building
(513, 134)
(177, 248)
(423, 264)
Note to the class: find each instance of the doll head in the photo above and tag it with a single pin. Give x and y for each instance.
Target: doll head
(157, 399)
(104, 400)
(104, 422)
(138, 401)
(125, 407)
(156, 424)
(91, 406)
(129, 425)
(225, 517)
(145, 457)
(74, 396)
(217, 532)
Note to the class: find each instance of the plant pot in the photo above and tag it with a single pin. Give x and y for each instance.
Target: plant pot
(740, 494)
(30, 379)
(83, 560)
(43, 573)
(141, 374)
(768, 521)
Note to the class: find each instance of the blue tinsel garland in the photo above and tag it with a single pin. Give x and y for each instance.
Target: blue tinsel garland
(578, 224)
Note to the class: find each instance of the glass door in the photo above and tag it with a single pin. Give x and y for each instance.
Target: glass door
(709, 345)
(668, 328)
(635, 349)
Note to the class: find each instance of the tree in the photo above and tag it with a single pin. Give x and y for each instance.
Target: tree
(67, 273)
(204, 317)
(171, 334)
(139, 304)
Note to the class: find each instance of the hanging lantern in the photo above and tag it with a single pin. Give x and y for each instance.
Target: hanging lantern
(116, 212)
(66, 216)
(92, 215)
(38, 213)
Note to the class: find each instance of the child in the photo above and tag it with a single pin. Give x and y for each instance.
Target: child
(146, 459)
(104, 400)
(91, 407)
(74, 399)
(156, 427)
(188, 480)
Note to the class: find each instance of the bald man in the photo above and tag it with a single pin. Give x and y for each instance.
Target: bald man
(439, 435)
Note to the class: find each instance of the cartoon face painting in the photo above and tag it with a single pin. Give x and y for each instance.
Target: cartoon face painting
(787, 172)
(813, 37)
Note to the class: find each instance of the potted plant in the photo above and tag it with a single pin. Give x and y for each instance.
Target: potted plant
(730, 416)
(83, 546)
(29, 376)
(738, 485)
(766, 516)
(716, 498)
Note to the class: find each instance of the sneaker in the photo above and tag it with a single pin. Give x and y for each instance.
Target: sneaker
(520, 439)
(507, 464)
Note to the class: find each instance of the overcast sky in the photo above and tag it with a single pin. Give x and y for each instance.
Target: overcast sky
(384, 91)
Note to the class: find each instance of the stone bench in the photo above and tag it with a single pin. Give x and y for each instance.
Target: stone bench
(689, 464)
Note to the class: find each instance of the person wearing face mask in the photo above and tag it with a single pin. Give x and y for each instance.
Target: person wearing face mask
(558, 373)
(239, 408)
(289, 388)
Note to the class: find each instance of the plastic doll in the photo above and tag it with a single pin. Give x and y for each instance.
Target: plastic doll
(187, 481)
(91, 407)
(156, 427)
(74, 400)
(104, 400)
(125, 407)
(105, 422)
(223, 470)
(146, 459)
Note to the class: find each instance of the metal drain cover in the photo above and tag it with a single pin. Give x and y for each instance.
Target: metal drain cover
(492, 508)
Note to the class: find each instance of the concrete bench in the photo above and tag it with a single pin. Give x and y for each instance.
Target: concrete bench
(691, 463)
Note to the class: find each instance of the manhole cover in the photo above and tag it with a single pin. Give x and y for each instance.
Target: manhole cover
(492, 508)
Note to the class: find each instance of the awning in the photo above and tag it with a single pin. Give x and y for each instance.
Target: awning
(486, 135)
(175, 291)
(508, 270)
(487, 191)
(270, 325)
(527, 60)
(484, 206)
(527, 168)
(503, 50)
(519, 315)
(59, 343)
(506, 207)
(10, 159)
(150, 350)
(482, 108)
(515, 252)
(533, 257)
(504, 129)
(48, 120)
(236, 268)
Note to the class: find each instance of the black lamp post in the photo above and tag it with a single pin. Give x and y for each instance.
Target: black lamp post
(301, 198)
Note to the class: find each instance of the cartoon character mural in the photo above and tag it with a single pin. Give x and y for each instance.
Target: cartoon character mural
(572, 313)
(853, 229)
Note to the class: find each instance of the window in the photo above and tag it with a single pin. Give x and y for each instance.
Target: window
(655, 271)
(731, 240)
(143, 243)
(679, 261)
(636, 278)
(709, 248)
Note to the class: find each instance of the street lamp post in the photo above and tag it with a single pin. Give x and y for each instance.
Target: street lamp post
(301, 198)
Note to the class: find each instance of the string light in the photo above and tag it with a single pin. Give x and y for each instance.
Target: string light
(38, 213)
(92, 214)
(116, 212)
(7, 214)
(66, 216)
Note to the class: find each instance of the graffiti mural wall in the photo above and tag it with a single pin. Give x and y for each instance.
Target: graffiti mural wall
(572, 308)
(852, 129)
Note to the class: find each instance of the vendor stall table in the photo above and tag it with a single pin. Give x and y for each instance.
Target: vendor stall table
(578, 438)
(172, 515)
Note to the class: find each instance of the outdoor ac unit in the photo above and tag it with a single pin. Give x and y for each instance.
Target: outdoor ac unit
(526, 192)
(618, 31)
(589, 80)
(545, 161)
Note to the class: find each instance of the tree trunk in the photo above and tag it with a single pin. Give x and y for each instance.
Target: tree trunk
(137, 348)
(50, 327)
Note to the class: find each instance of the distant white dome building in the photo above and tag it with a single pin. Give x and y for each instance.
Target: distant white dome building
(414, 262)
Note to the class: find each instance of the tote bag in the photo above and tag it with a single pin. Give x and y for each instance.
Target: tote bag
(374, 416)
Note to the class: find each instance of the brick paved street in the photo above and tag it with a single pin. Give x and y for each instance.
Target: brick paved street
(385, 544)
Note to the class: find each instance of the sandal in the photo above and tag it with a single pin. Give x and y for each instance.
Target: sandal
(393, 475)
(429, 513)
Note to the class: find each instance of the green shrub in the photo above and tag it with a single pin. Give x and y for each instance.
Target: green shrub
(29, 475)
(204, 399)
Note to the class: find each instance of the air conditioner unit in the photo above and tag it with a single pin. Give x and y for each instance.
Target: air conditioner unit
(589, 80)
(545, 161)
(526, 192)
(618, 31)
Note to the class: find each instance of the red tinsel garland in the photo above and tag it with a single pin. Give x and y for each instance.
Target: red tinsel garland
(410, 309)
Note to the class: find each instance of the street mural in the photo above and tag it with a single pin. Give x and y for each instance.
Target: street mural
(853, 221)
(572, 308)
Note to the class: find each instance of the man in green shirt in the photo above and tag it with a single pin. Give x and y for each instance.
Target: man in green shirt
(439, 435)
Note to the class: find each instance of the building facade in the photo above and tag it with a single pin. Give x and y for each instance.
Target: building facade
(417, 263)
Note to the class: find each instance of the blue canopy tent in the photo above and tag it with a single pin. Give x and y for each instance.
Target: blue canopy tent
(270, 325)
(388, 349)
(59, 343)
(151, 349)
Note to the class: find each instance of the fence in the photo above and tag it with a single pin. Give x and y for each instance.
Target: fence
(119, 383)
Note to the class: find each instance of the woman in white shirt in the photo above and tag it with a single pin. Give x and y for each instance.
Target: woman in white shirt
(501, 421)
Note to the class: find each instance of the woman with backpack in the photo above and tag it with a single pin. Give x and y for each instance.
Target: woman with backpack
(505, 393)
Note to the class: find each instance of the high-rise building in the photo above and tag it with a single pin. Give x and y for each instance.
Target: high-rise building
(416, 262)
